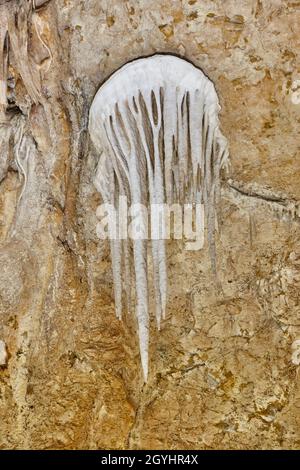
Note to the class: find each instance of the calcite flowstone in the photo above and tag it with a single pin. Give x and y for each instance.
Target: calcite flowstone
(225, 366)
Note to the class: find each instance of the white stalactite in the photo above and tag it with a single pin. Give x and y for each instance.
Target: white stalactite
(155, 121)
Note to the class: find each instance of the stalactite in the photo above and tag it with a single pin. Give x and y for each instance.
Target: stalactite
(156, 123)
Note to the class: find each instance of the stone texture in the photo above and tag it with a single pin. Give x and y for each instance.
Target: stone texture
(3, 354)
(224, 370)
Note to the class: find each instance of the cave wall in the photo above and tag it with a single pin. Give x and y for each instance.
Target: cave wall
(224, 369)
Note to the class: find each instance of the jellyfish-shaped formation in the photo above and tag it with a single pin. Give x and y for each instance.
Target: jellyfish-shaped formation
(155, 125)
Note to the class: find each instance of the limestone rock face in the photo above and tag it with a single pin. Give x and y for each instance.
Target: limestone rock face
(224, 369)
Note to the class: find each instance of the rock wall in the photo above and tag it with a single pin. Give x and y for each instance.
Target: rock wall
(224, 370)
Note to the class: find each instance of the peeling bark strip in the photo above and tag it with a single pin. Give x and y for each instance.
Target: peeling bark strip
(155, 121)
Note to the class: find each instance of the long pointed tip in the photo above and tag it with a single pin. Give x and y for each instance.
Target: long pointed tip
(145, 370)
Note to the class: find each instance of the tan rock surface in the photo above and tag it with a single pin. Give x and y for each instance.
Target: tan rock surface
(224, 370)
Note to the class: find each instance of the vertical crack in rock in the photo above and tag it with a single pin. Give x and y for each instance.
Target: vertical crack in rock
(155, 123)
